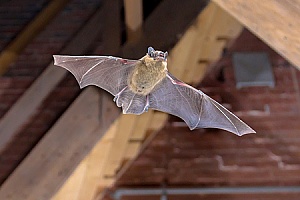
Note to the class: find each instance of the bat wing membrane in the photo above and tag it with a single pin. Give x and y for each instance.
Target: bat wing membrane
(193, 106)
(107, 72)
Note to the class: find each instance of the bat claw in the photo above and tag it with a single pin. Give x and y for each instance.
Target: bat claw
(147, 104)
(117, 95)
(146, 109)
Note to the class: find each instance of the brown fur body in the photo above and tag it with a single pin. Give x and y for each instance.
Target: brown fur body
(146, 75)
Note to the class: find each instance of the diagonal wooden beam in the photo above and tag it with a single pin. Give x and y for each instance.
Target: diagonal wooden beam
(29, 102)
(274, 21)
(201, 44)
(10, 54)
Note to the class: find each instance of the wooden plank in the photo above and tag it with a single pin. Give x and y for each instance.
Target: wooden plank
(126, 126)
(94, 164)
(9, 55)
(133, 19)
(29, 102)
(73, 185)
(141, 125)
(61, 149)
(274, 21)
(204, 42)
(221, 30)
(158, 121)
(138, 134)
(152, 122)
(191, 44)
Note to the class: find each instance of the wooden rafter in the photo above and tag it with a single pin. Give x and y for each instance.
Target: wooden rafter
(201, 45)
(133, 18)
(10, 54)
(274, 21)
(122, 143)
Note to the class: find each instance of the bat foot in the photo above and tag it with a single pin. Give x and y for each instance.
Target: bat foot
(117, 95)
(146, 108)
(147, 104)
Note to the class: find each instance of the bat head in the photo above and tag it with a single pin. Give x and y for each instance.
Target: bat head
(157, 55)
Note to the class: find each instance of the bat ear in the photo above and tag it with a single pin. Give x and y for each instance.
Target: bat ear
(166, 55)
(150, 50)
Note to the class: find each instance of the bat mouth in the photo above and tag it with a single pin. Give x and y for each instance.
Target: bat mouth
(160, 58)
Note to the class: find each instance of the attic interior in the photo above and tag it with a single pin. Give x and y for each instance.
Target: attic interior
(59, 142)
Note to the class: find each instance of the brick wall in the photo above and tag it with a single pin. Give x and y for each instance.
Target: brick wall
(14, 15)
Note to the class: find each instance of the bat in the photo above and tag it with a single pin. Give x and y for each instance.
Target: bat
(138, 85)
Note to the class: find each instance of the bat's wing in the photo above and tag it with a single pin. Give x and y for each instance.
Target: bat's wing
(193, 106)
(108, 72)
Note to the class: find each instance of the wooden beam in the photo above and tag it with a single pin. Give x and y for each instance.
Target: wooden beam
(126, 126)
(29, 102)
(274, 21)
(157, 122)
(203, 44)
(73, 186)
(133, 19)
(10, 54)
(85, 179)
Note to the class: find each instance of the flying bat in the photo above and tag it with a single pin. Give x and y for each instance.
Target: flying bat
(138, 85)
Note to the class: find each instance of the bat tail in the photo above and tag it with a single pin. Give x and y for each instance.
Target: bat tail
(131, 102)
